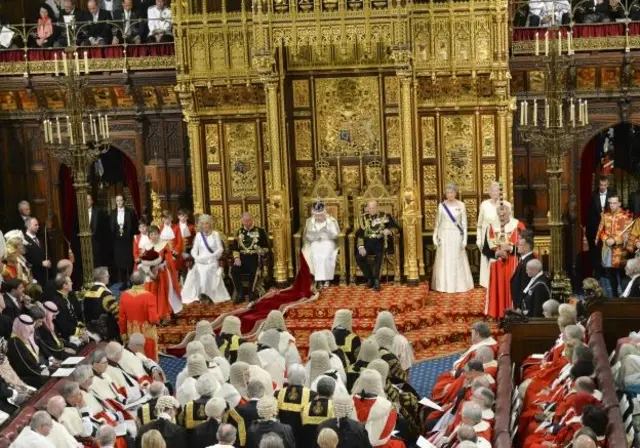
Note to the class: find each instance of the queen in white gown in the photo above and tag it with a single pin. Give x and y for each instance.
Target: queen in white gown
(487, 214)
(451, 271)
(319, 249)
(206, 276)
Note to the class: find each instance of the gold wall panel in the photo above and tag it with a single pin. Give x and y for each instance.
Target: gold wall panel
(267, 182)
(242, 150)
(301, 93)
(488, 176)
(391, 90)
(458, 146)
(256, 212)
(430, 210)
(238, 56)
(429, 180)
(483, 39)
(235, 216)
(488, 136)
(462, 41)
(217, 214)
(212, 144)
(536, 81)
(347, 113)
(395, 178)
(304, 180)
(428, 137)
(218, 56)
(442, 40)
(472, 212)
(215, 186)
(394, 137)
(303, 143)
(350, 180)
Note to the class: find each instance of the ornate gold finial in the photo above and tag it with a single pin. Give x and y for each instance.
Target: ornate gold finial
(156, 207)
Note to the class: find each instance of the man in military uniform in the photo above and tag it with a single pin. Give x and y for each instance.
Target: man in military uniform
(101, 308)
(319, 409)
(613, 231)
(250, 244)
(373, 237)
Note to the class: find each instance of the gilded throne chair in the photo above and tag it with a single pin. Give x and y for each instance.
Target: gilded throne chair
(338, 207)
(388, 203)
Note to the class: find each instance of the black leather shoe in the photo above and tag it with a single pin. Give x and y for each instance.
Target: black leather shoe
(376, 285)
(370, 283)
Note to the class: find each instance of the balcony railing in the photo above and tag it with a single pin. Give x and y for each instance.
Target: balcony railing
(128, 51)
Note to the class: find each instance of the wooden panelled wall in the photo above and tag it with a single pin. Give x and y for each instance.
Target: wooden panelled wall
(156, 143)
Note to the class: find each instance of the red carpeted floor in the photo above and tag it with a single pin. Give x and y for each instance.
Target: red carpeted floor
(437, 324)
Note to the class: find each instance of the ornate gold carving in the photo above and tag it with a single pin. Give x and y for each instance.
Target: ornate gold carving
(195, 151)
(442, 40)
(348, 123)
(374, 170)
(230, 97)
(483, 39)
(472, 212)
(459, 151)
(430, 209)
(303, 144)
(428, 137)
(266, 150)
(488, 136)
(304, 180)
(394, 137)
(235, 216)
(429, 180)
(217, 213)
(240, 142)
(395, 178)
(256, 212)
(488, 175)
(462, 40)
(215, 186)
(212, 144)
(391, 90)
(301, 93)
(350, 180)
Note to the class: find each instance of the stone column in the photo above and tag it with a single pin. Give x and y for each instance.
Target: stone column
(411, 217)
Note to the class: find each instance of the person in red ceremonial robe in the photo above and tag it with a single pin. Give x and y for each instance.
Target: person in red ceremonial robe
(584, 414)
(500, 247)
(158, 264)
(139, 314)
(375, 411)
(170, 234)
(480, 336)
(140, 240)
(187, 232)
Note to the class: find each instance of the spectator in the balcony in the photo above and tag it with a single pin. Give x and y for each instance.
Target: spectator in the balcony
(98, 31)
(159, 23)
(130, 25)
(142, 6)
(56, 9)
(610, 10)
(45, 33)
(70, 16)
(111, 6)
(545, 13)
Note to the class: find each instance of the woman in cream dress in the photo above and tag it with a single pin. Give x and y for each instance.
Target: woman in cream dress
(487, 214)
(206, 276)
(451, 271)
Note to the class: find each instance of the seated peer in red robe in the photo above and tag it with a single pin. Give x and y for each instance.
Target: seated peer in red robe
(480, 337)
(585, 414)
(473, 369)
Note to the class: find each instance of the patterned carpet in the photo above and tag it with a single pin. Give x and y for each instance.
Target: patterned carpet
(422, 376)
(437, 324)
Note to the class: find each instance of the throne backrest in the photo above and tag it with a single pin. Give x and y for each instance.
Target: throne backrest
(387, 202)
(336, 205)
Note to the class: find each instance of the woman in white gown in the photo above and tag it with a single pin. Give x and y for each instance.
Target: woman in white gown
(451, 271)
(320, 250)
(487, 214)
(206, 276)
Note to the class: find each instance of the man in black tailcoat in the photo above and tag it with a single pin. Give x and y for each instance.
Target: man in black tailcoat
(123, 225)
(520, 279)
(598, 204)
